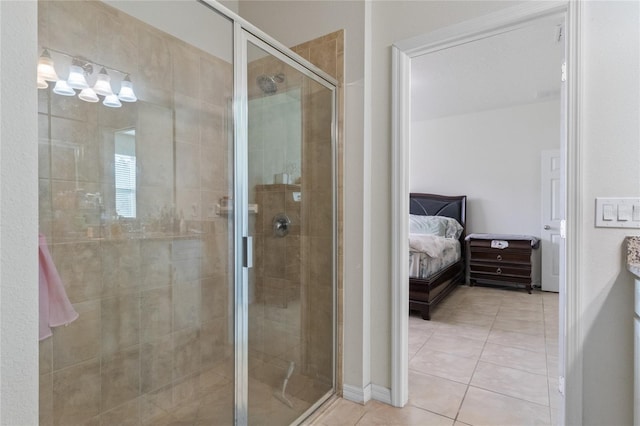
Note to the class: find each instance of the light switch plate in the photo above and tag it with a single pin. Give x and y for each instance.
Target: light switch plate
(617, 212)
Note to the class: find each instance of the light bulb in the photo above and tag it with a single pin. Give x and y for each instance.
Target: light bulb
(46, 71)
(112, 101)
(62, 88)
(76, 78)
(88, 95)
(42, 84)
(103, 85)
(126, 91)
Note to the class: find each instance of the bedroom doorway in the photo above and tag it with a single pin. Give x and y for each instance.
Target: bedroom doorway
(405, 53)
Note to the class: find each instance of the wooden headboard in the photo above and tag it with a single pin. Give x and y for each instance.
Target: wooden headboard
(440, 205)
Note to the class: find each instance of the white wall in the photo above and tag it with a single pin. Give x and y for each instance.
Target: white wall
(610, 167)
(492, 157)
(18, 215)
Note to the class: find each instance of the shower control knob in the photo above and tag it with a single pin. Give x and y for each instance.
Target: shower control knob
(281, 225)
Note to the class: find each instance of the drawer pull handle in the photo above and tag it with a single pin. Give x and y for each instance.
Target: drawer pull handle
(499, 257)
(498, 271)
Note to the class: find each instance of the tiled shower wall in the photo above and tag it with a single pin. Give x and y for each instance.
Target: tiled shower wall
(299, 266)
(327, 53)
(154, 325)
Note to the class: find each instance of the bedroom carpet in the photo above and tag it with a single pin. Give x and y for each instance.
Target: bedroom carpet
(489, 356)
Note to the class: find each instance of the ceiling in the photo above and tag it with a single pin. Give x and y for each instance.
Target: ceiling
(513, 68)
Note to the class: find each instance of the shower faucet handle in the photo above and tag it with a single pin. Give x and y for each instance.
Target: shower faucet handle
(281, 225)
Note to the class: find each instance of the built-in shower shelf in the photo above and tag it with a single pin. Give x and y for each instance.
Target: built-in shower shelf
(220, 210)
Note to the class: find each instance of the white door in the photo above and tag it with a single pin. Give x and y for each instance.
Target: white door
(552, 214)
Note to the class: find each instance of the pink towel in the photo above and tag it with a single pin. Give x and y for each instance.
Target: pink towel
(55, 308)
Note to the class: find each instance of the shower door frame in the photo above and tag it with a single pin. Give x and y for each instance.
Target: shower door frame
(243, 34)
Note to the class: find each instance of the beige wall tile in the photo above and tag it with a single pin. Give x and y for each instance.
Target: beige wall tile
(127, 414)
(187, 117)
(186, 352)
(156, 364)
(187, 166)
(120, 378)
(118, 41)
(120, 267)
(80, 340)
(45, 407)
(186, 305)
(154, 55)
(76, 393)
(120, 323)
(215, 298)
(80, 268)
(186, 69)
(73, 29)
(155, 314)
(217, 80)
(214, 343)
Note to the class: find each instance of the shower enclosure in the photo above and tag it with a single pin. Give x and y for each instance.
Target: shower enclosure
(187, 196)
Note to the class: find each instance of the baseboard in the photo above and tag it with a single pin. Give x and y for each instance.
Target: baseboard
(356, 394)
(380, 393)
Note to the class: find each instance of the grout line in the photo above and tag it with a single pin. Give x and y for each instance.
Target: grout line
(509, 396)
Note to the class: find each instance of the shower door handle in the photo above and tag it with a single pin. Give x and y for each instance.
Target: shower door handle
(247, 252)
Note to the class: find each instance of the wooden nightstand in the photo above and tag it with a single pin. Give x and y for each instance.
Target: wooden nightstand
(499, 258)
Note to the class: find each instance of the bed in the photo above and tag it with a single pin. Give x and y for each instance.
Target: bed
(432, 278)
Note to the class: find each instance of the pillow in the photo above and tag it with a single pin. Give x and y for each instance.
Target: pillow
(430, 225)
(435, 225)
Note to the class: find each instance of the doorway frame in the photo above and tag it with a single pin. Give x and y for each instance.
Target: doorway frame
(462, 33)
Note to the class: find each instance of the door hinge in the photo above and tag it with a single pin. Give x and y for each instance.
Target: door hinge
(563, 228)
(563, 77)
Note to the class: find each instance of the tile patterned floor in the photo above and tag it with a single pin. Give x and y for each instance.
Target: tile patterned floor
(489, 356)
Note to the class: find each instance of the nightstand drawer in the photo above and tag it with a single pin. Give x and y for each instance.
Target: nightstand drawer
(513, 244)
(504, 270)
(501, 256)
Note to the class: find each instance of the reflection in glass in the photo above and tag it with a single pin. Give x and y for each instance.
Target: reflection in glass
(125, 173)
(291, 286)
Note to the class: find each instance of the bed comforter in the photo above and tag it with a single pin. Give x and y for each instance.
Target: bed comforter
(430, 253)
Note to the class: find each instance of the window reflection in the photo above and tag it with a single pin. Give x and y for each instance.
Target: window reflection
(125, 173)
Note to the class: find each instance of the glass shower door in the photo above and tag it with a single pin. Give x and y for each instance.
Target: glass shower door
(290, 185)
(133, 194)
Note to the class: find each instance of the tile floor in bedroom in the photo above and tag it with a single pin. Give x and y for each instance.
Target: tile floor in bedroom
(489, 356)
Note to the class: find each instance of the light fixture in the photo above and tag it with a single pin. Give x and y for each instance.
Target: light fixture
(88, 95)
(62, 88)
(81, 71)
(76, 78)
(112, 101)
(46, 71)
(103, 85)
(126, 90)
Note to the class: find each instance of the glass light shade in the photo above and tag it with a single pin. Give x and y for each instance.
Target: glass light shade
(46, 71)
(42, 84)
(62, 88)
(88, 95)
(103, 85)
(76, 78)
(112, 101)
(126, 91)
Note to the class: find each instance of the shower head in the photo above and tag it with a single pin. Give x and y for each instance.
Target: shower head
(269, 83)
